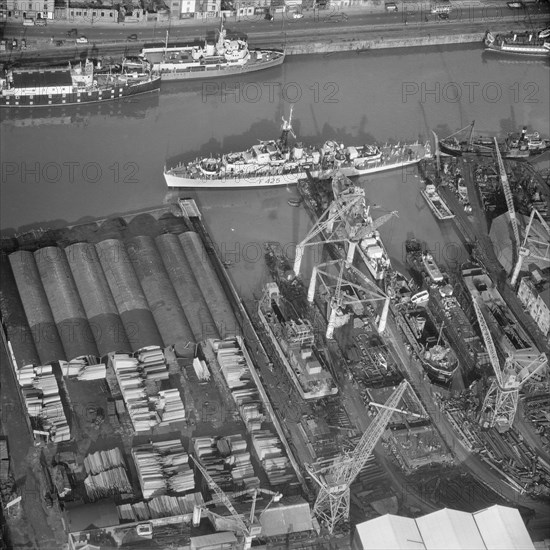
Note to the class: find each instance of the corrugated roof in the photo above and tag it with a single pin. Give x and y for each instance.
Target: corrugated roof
(502, 528)
(216, 539)
(390, 533)
(282, 519)
(42, 79)
(449, 529)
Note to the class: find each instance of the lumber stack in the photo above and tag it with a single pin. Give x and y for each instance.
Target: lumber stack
(43, 401)
(84, 368)
(163, 467)
(160, 507)
(106, 474)
(201, 370)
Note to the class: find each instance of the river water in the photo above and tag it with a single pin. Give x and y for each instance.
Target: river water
(70, 165)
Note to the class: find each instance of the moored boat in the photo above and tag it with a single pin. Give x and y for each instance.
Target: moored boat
(436, 203)
(224, 57)
(73, 85)
(519, 43)
(275, 162)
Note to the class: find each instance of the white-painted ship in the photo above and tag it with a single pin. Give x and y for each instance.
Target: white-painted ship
(275, 162)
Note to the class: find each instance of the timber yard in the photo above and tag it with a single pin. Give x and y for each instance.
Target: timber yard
(166, 412)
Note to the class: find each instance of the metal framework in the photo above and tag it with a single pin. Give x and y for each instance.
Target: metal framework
(501, 402)
(346, 220)
(335, 478)
(533, 247)
(349, 288)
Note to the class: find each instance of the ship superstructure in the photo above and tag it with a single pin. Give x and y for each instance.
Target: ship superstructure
(224, 57)
(520, 43)
(294, 340)
(276, 162)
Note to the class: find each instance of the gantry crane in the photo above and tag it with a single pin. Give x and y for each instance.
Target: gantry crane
(346, 220)
(363, 291)
(501, 402)
(335, 478)
(249, 529)
(533, 247)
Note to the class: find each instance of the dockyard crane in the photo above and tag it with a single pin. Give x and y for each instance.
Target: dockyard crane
(508, 196)
(532, 247)
(335, 476)
(249, 529)
(364, 290)
(346, 220)
(501, 402)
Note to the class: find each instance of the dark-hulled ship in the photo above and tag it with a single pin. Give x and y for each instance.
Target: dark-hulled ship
(73, 85)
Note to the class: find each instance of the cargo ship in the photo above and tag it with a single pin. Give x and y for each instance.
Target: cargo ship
(435, 202)
(212, 59)
(73, 85)
(294, 340)
(519, 43)
(317, 194)
(275, 162)
(515, 145)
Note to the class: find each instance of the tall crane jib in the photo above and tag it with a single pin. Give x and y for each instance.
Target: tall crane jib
(333, 501)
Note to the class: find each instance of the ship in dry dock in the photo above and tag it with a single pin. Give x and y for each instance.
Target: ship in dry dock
(294, 341)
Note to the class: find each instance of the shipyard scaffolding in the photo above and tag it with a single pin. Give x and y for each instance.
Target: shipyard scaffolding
(501, 401)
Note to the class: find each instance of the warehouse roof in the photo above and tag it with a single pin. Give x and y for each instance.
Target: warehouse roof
(42, 79)
(282, 519)
(496, 528)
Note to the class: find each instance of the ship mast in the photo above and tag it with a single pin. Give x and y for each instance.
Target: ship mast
(286, 128)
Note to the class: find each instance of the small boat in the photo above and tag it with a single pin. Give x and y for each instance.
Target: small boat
(519, 43)
(436, 204)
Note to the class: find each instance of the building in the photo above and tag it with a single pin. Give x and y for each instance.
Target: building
(183, 9)
(30, 9)
(86, 13)
(492, 528)
(536, 301)
(208, 8)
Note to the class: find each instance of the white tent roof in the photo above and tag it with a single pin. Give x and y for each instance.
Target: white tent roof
(496, 528)
(503, 529)
(450, 529)
(390, 533)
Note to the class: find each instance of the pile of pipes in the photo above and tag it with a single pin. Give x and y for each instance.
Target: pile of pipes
(276, 464)
(84, 368)
(145, 411)
(106, 474)
(201, 370)
(160, 507)
(227, 461)
(163, 467)
(43, 401)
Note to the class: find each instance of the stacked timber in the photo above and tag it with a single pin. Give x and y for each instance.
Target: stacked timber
(43, 401)
(84, 368)
(160, 507)
(276, 464)
(201, 370)
(170, 407)
(227, 461)
(153, 363)
(106, 474)
(163, 467)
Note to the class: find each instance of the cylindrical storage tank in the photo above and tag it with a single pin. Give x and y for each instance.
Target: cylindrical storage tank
(161, 296)
(14, 318)
(36, 306)
(186, 287)
(68, 311)
(210, 286)
(130, 300)
(97, 299)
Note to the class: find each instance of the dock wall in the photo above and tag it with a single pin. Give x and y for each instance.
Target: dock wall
(381, 42)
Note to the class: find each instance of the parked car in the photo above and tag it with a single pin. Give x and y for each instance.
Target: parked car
(23, 43)
(81, 40)
(391, 6)
(133, 37)
(40, 23)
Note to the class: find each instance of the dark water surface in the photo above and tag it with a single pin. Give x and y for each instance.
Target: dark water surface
(69, 165)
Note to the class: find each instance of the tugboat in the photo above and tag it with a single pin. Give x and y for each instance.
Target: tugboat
(223, 58)
(73, 85)
(275, 162)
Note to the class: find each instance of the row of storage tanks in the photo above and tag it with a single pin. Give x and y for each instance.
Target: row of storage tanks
(113, 296)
